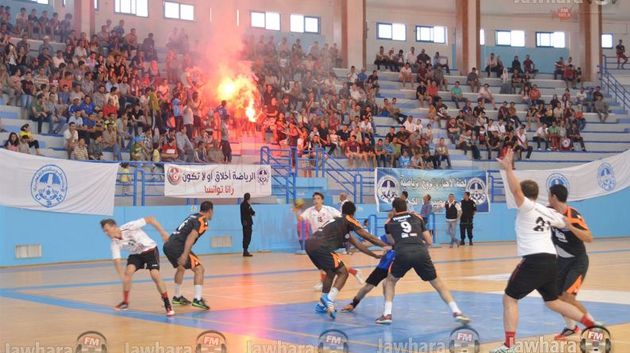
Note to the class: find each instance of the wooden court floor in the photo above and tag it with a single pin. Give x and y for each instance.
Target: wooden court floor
(265, 304)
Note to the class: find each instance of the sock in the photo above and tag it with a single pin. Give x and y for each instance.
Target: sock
(387, 310)
(355, 302)
(454, 307)
(126, 296)
(198, 290)
(586, 321)
(333, 294)
(352, 271)
(570, 323)
(509, 338)
(178, 290)
(165, 295)
(322, 276)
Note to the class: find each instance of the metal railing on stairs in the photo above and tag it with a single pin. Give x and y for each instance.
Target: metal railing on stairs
(612, 86)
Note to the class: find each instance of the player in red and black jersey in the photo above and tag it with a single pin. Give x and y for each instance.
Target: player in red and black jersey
(572, 258)
(321, 250)
(178, 250)
(410, 237)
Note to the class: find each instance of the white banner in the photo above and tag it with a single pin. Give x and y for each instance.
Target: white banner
(593, 179)
(217, 180)
(57, 185)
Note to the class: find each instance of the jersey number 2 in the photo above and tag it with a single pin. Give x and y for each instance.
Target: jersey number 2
(541, 225)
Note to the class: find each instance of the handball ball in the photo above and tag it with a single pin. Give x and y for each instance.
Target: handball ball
(299, 203)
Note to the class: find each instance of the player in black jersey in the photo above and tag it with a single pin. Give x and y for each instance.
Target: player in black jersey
(321, 250)
(410, 238)
(572, 259)
(178, 250)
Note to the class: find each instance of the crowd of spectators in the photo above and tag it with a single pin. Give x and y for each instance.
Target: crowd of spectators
(109, 92)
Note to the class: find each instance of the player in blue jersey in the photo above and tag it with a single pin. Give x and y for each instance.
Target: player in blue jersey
(377, 276)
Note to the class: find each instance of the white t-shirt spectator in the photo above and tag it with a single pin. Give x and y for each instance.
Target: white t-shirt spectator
(73, 136)
(410, 126)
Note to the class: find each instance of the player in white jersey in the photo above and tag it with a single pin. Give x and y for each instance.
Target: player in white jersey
(537, 270)
(143, 253)
(317, 215)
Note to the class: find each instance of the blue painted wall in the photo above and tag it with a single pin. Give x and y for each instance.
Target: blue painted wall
(544, 58)
(67, 237)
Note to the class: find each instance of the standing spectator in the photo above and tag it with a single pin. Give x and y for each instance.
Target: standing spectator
(405, 197)
(453, 212)
(468, 210)
(226, 148)
(621, 54)
(247, 212)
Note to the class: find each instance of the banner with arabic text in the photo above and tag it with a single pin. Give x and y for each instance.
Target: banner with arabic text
(217, 180)
(391, 182)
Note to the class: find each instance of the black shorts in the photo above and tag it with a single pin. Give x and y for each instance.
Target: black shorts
(571, 273)
(377, 276)
(174, 250)
(418, 259)
(323, 258)
(149, 259)
(534, 272)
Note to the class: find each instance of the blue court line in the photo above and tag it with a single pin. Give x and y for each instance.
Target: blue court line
(297, 324)
(271, 273)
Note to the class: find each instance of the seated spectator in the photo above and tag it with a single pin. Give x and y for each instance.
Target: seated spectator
(573, 132)
(485, 95)
(553, 134)
(535, 95)
(529, 66)
(473, 80)
(569, 76)
(601, 108)
(456, 94)
(353, 151)
(380, 154)
(95, 150)
(441, 154)
(80, 152)
(516, 65)
(422, 94)
(542, 136)
(466, 143)
(39, 114)
(381, 58)
(441, 112)
(441, 62)
(24, 146)
(405, 160)
(368, 153)
(522, 144)
(405, 75)
(558, 68)
(453, 131)
(492, 65)
(12, 143)
(27, 136)
(169, 150)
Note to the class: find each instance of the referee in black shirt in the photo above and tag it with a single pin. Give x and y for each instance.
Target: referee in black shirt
(469, 208)
(246, 220)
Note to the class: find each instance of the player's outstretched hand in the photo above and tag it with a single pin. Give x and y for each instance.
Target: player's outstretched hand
(387, 248)
(506, 161)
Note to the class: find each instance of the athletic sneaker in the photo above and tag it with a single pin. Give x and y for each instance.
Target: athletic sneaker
(122, 306)
(384, 320)
(169, 310)
(348, 308)
(318, 287)
(359, 277)
(566, 332)
(330, 306)
(181, 300)
(503, 349)
(320, 308)
(461, 318)
(200, 303)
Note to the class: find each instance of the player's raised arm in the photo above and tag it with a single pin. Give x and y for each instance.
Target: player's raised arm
(513, 183)
(190, 240)
(152, 221)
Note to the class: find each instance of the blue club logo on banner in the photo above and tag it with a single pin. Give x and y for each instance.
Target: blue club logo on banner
(49, 186)
(606, 177)
(387, 189)
(391, 182)
(557, 178)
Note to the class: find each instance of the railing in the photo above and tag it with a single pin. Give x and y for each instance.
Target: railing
(496, 186)
(612, 86)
